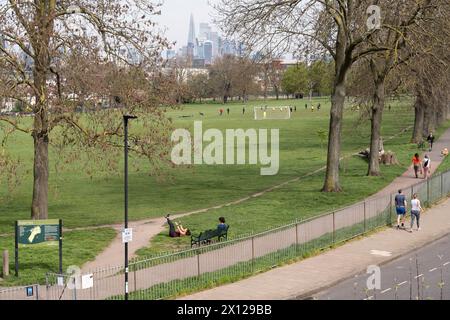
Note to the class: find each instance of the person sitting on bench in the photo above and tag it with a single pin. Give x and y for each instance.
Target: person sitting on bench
(179, 231)
(222, 226)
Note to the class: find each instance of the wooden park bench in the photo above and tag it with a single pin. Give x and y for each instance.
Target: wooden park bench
(205, 237)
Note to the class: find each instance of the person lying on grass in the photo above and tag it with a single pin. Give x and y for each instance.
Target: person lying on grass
(178, 231)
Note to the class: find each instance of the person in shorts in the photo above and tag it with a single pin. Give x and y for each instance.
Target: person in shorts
(400, 206)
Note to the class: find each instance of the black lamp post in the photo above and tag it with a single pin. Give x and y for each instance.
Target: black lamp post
(125, 122)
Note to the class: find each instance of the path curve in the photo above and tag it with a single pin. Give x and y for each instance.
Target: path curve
(145, 230)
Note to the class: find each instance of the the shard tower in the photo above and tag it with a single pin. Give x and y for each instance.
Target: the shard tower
(191, 45)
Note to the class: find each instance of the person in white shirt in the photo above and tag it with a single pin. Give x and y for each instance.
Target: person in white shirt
(426, 166)
(415, 212)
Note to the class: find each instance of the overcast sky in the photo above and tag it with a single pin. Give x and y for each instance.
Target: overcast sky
(175, 17)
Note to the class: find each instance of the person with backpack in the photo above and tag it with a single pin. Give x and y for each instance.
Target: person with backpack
(415, 212)
(426, 166)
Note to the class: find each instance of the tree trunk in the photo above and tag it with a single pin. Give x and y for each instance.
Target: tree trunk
(377, 116)
(343, 63)
(334, 140)
(39, 205)
(40, 43)
(418, 121)
(429, 120)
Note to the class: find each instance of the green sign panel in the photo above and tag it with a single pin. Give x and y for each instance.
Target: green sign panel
(38, 231)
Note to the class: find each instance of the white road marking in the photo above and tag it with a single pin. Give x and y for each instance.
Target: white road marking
(387, 290)
(381, 253)
(400, 284)
(420, 275)
(434, 269)
(446, 263)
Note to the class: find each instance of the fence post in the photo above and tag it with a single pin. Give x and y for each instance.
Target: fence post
(37, 291)
(365, 224)
(442, 185)
(253, 254)
(390, 211)
(296, 239)
(198, 263)
(134, 276)
(428, 193)
(334, 228)
(5, 263)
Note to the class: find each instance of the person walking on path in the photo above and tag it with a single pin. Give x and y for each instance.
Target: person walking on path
(426, 166)
(415, 212)
(430, 140)
(416, 164)
(400, 206)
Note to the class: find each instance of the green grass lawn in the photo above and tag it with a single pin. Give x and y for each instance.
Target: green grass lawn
(35, 261)
(445, 166)
(84, 201)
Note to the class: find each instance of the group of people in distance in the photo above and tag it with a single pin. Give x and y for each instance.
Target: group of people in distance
(177, 230)
(402, 207)
(312, 107)
(421, 167)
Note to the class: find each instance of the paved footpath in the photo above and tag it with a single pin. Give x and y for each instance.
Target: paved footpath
(320, 272)
(315, 274)
(145, 230)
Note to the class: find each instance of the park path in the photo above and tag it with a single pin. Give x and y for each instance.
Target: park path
(109, 281)
(307, 277)
(145, 230)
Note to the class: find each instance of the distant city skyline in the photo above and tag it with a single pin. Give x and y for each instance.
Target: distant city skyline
(175, 16)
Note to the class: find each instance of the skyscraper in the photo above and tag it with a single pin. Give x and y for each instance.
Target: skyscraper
(208, 51)
(191, 38)
(204, 32)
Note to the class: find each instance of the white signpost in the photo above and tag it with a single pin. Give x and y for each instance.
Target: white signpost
(87, 281)
(127, 235)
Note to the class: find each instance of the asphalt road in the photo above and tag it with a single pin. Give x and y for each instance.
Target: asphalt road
(422, 275)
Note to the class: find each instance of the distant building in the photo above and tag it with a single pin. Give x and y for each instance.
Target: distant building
(198, 63)
(191, 52)
(204, 32)
(208, 51)
(169, 54)
(207, 45)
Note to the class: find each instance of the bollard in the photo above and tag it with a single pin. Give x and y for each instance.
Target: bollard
(5, 263)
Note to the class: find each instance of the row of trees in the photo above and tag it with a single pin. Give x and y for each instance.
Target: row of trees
(231, 76)
(308, 79)
(58, 55)
(403, 43)
(55, 55)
